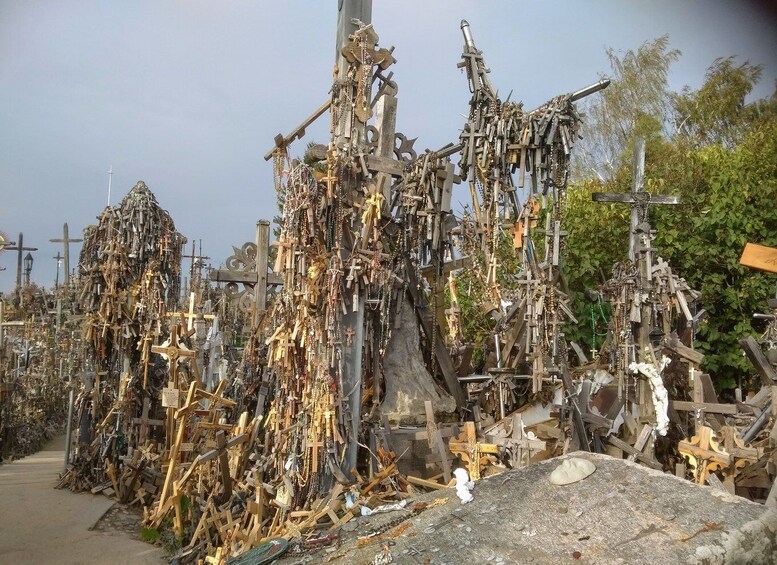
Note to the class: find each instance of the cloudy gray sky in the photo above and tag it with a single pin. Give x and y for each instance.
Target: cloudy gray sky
(188, 95)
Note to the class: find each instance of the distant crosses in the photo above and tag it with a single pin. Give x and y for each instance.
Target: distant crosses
(58, 258)
(66, 241)
(19, 247)
(198, 262)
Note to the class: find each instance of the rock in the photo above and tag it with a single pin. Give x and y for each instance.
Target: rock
(408, 383)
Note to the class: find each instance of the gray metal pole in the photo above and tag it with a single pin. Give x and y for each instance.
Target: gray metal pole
(638, 186)
(69, 429)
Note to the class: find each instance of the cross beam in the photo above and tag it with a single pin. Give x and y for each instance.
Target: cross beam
(19, 247)
(638, 198)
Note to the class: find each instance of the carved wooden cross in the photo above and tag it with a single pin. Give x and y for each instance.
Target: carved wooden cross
(259, 278)
(66, 241)
(173, 351)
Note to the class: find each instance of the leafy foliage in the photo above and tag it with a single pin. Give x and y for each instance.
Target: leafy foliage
(636, 102)
(723, 164)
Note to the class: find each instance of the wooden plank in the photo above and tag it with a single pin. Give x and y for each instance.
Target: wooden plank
(759, 257)
(758, 359)
(620, 444)
(425, 483)
(691, 355)
(709, 407)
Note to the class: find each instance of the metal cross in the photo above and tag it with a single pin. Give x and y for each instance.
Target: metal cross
(638, 198)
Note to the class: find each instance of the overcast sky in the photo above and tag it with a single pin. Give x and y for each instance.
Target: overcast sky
(188, 95)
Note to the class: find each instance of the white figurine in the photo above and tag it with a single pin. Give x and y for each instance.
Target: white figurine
(463, 485)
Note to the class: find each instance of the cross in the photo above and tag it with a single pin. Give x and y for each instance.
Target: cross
(259, 278)
(638, 198)
(66, 241)
(19, 247)
(173, 351)
(110, 181)
(145, 422)
(59, 258)
(349, 333)
(197, 260)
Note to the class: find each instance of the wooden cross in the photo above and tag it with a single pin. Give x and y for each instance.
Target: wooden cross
(66, 241)
(58, 258)
(197, 261)
(145, 422)
(706, 456)
(19, 247)
(259, 278)
(173, 351)
(474, 454)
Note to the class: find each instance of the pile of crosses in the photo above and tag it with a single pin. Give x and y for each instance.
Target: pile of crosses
(357, 353)
(129, 276)
(34, 356)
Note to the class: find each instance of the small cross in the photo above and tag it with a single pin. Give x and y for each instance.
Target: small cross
(349, 333)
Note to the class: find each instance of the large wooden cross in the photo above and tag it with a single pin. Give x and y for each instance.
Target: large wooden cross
(66, 241)
(20, 248)
(259, 278)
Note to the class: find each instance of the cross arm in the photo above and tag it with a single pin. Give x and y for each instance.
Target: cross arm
(628, 198)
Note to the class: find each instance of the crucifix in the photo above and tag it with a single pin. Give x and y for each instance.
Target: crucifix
(20, 248)
(197, 262)
(639, 241)
(66, 241)
(638, 198)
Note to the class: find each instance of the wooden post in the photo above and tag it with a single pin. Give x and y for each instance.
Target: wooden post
(260, 289)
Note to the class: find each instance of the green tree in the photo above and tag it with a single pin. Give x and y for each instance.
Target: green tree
(717, 112)
(637, 102)
(722, 161)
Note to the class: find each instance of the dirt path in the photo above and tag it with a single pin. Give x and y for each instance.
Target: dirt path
(39, 524)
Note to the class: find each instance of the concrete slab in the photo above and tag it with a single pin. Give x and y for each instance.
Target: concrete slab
(623, 513)
(39, 524)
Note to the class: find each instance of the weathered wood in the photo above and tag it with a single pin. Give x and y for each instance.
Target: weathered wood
(620, 444)
(673, 343)
(441, 353)
(758, 359)
(759, 257)
(706, 406)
